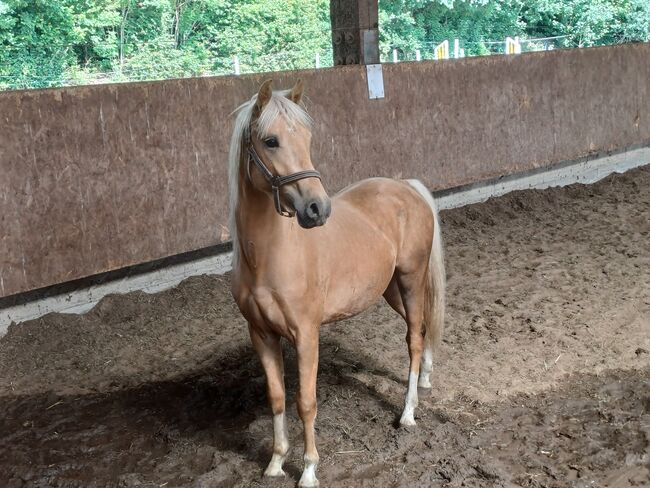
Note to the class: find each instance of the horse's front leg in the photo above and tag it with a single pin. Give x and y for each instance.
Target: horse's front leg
(268, 348)
(307, 349)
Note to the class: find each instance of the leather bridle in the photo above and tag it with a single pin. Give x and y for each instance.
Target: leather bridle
(276, 181)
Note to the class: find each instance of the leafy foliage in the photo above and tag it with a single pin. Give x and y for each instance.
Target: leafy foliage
(420, 24)
(54, 42)
(407, 25)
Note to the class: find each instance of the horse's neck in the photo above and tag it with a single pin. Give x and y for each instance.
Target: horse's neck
(256, 219)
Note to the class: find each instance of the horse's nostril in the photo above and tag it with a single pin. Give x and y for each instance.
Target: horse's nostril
(314, 209)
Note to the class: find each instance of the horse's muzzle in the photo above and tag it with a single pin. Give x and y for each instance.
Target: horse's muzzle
(314, 213)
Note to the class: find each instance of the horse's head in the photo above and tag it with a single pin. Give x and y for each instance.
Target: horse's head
(279, 156)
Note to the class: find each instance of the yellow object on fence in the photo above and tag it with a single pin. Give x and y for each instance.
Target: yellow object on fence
(441, 51)
(512, 45)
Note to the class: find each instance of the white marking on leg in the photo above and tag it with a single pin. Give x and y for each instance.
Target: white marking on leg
(425, 369)
(308, 478)
(280, 446)
(411, 401)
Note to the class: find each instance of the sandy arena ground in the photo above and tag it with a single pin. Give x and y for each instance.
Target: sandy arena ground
(543, 379)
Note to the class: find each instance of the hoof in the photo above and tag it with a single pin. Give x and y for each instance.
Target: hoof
(308, 484)
(424, 383)
(308, 478)
(274, 473)
(407, 422)
(274, 468)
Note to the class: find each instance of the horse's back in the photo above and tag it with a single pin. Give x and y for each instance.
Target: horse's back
(369, 188)
(386, 198)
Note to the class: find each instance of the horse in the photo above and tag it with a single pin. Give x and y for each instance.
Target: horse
(302, 259)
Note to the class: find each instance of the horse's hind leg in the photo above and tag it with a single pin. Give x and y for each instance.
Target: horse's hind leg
(393, 297)
(269, 350)
(426, 366)
(412, 292)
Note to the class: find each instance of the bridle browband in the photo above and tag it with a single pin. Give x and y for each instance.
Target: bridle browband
(275, 181)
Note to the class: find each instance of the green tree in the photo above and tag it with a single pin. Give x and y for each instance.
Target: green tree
(267, 35)
(407, 25)
(37, 38)
(482, 25)
(588, 22)
(41, 39)
(54, 42)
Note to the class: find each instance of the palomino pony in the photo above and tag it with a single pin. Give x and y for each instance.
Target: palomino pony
(335, 259)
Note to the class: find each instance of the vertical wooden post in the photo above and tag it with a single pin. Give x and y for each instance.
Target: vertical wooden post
(355, 31)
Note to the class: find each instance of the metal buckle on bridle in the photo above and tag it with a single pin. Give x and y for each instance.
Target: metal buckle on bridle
(276, 181)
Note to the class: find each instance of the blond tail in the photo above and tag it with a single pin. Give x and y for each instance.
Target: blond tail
(434, 312)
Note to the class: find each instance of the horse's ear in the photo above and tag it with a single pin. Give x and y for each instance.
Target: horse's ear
(295, 95)
(264, 95)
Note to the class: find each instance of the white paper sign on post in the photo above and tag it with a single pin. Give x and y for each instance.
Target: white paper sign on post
(375, 81)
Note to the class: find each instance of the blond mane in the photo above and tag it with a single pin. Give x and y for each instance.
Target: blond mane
(278, 106)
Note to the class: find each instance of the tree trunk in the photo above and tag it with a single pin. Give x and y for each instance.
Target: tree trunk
(125, 13)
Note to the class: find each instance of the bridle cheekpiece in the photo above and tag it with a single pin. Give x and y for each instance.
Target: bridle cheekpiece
(275, 181)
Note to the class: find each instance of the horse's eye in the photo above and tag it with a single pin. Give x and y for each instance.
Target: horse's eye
(272, 142)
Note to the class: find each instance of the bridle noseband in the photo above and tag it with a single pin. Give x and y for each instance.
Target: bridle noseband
(276, 181)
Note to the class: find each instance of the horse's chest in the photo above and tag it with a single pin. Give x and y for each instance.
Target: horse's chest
(274, 306)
